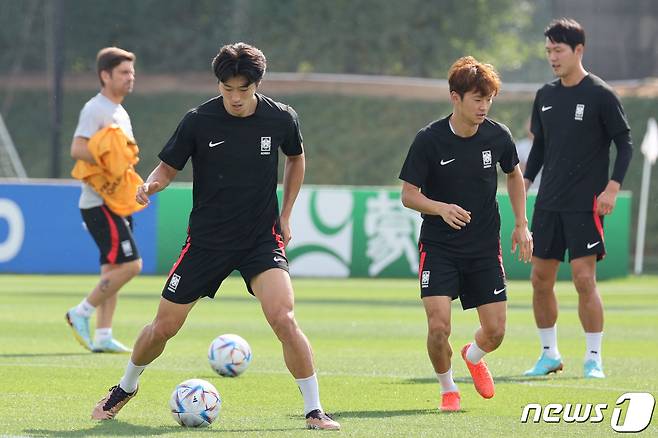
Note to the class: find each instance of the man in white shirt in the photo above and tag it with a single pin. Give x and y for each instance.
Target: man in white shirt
(119, 257)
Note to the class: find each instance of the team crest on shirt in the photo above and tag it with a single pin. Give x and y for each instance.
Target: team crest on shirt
(425, 279)
(486, 159)
(173, 283)
(580, 111)
(265, 145)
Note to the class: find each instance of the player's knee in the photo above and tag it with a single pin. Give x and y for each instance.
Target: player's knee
(541, 281)
(284, 325)
(162, 331)
(584, 282)
(131, 269)
(439, 331)
(134, 268)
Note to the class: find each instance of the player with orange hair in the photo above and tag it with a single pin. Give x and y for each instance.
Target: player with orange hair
(450, 177)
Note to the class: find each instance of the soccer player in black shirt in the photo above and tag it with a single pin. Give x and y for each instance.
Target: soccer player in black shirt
(450, 177)
(235, 224)
(574, 119)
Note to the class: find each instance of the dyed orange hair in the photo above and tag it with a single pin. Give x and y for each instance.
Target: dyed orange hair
(468, 74)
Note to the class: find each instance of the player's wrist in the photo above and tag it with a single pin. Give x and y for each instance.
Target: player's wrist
(613, 187)
(440, 208)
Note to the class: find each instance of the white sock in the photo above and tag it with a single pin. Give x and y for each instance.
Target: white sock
(129, 380)
(85, 309)
(446, 381)
(102, 334)
(311, 393)
(548, 337)
(474, 354)
(593, 341)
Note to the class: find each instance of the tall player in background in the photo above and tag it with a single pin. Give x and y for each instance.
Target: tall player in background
(574, 119)
(119, 258)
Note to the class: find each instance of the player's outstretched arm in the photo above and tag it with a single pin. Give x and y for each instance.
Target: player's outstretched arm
(521, 236)
(452, 214)
(160, 178)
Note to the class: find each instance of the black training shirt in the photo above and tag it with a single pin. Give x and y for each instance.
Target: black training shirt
(574, 127)
(462, 171)
(234, 163)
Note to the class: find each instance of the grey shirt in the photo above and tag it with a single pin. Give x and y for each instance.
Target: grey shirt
(98, 113)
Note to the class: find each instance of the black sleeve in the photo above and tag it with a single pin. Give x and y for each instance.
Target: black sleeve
(181, 145)
(294, 140)
(535, 121)
(535, 159)
(416, 166)
(536, 156)
(509, 159)
(624, 145)
(612, 114)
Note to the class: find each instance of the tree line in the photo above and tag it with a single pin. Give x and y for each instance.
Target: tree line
(412, 38)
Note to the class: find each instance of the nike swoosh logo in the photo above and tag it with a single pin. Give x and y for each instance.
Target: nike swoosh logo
(212, 145)
(279, 259)
(496, 291)
(443, 163)
(545, 108)
(592, 245)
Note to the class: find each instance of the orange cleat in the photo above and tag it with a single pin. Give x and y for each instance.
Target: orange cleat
(482, 379)
(450, 402)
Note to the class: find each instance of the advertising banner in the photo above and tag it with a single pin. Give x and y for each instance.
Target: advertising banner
(337, 232)
(366, 232)
(41, 231)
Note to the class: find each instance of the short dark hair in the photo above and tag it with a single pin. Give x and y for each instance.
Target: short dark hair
(567, 31)
(110, 57)
(239, 59)
(468, 74)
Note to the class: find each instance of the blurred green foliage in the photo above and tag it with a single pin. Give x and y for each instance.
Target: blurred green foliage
(411, 38)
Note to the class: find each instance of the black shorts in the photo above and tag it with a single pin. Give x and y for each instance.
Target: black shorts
(112, 234)
(199, 272)
(580, 232)
(476, 281)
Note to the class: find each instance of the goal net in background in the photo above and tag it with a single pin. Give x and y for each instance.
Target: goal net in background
(10, 162)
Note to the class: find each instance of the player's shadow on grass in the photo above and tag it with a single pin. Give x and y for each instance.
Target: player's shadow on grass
(525, 379)
(10, 355)
(121, 428)
(384, 413)
(111, 428)
(243, 431)
(497, 379)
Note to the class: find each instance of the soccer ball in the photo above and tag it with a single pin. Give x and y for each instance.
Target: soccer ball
(195, 403)
(229, 355)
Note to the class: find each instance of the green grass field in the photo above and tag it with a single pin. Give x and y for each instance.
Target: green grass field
(369, 343)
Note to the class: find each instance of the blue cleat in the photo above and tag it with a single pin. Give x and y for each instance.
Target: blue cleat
(593, 370)
(544, 366)
(80, 326)
(111, 346)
